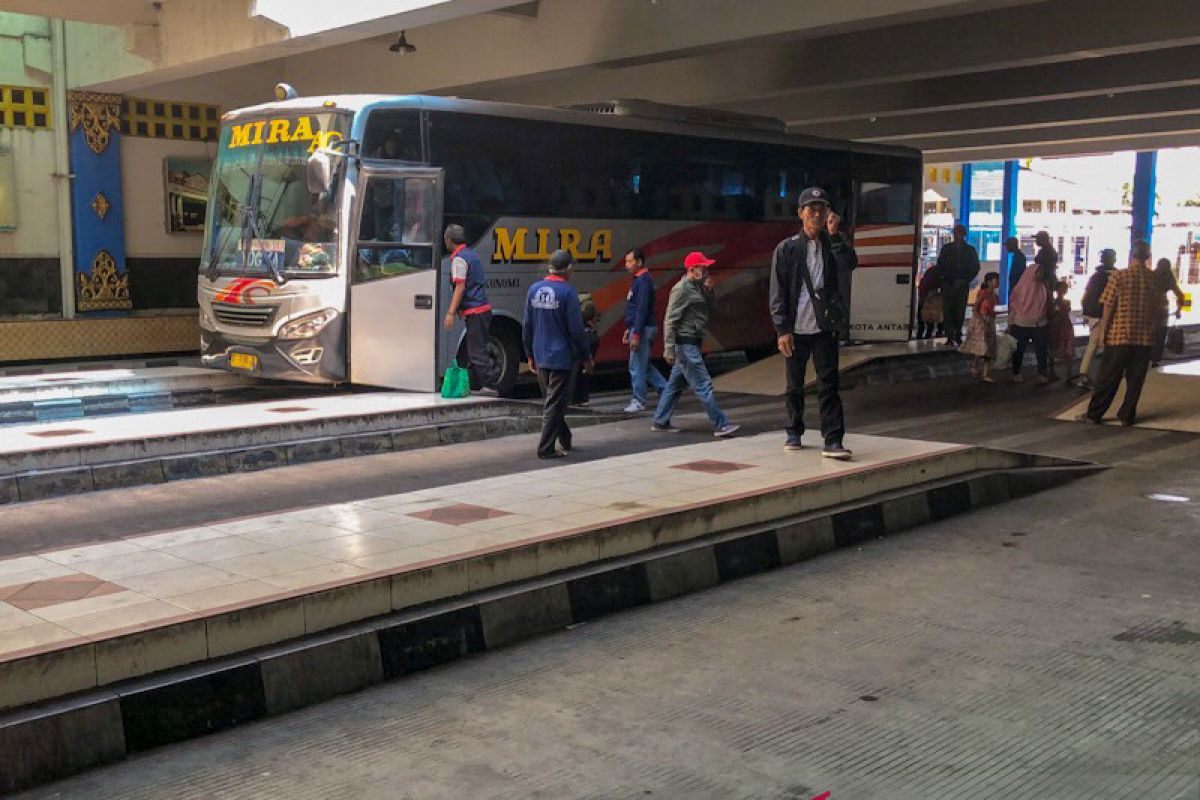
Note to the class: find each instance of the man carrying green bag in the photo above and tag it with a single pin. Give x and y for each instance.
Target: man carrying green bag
(456, 383)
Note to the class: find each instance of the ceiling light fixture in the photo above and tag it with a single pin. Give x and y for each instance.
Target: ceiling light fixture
(402, 46)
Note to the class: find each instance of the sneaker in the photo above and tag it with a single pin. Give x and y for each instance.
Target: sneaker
(557, 454)
(1017, 379)
(634, 407)
(486, 391)
(728, 429)
(837, 451)
(668, 428)
(1043, 379)
(1085, 418)
(793, 442)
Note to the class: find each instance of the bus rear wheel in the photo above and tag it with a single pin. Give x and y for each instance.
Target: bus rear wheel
(504, 349)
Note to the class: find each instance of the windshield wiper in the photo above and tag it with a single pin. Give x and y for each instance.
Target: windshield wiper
(250, 228)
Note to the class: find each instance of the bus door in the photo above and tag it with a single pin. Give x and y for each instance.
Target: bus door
(394, 277)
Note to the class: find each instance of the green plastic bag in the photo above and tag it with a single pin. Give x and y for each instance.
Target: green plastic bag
(456, 383)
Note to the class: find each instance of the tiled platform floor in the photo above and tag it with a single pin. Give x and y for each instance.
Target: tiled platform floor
(1168, 402)
(74, 383)
(56, 599)
(184, 422)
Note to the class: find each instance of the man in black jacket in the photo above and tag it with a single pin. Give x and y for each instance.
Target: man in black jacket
(807, 313)
(958, 264)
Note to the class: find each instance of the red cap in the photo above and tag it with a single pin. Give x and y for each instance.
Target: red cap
(697, 259)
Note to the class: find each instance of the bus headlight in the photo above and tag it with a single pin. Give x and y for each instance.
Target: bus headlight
(307, 326)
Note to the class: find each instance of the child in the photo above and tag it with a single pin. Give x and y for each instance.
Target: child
(1061, 334)
(582, 393)
(981, 332)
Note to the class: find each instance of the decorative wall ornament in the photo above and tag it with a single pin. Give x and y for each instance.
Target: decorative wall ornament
(97, 113)
(25, 107)
(100, 205)
(105, 289)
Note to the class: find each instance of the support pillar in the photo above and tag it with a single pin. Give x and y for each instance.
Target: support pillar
(964, 198)
(1145, 180)
(1008, 223)
(97, 210)
(62, 165)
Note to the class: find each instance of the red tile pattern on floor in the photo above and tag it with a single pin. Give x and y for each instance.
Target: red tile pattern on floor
(712, 467)
(459, 514)
(39, 594)
(60, 432)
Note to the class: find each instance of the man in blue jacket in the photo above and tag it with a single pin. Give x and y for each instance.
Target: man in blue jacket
(555, 342)
(640, 332)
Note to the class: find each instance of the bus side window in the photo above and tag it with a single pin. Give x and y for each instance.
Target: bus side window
(393, 134)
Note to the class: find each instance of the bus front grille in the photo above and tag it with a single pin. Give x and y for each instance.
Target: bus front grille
(243, 316)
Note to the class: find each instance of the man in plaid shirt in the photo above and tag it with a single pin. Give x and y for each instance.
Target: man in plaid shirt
(1131, 300)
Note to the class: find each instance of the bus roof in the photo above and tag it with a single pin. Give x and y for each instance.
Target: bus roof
(359, 103)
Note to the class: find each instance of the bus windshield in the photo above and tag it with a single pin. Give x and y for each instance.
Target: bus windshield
(263, 220)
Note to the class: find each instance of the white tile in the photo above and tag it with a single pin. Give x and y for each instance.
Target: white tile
(89, 605)
(182, 536)
(100, 622)
(143, 563)
(73, 555)
(274, 562)
(316, 576)
(216, 549)
(35, 569)
(191, 578)
(220, 596)
(349, 547)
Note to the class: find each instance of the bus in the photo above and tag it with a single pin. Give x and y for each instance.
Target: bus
(323, 259)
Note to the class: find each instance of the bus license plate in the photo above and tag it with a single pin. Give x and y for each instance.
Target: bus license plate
(243, 361)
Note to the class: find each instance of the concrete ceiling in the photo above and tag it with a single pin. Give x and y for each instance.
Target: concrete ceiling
(969, 83)
(959, 79)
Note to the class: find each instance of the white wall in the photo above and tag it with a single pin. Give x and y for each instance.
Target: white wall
(145, 196)
(37, 210)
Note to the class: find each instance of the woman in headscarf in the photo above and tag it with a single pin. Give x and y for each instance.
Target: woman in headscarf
(1028, 315)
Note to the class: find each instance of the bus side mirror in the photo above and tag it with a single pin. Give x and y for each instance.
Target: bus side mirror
(320, 171)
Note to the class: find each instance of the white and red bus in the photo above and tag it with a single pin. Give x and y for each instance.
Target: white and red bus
(323, 259)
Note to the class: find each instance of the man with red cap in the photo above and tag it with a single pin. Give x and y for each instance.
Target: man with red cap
(685, 324)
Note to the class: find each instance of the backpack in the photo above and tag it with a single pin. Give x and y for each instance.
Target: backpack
(1091, 305)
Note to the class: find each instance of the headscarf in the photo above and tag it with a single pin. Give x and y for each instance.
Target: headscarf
(1029, 298)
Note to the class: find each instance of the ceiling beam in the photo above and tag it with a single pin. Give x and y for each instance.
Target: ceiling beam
(991, 118)
(1099, 76)
(1097, 134)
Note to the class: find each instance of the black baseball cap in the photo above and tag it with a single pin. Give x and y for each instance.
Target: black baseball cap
(813, 194)
(561, 260)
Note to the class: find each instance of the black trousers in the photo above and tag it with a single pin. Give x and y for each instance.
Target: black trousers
(1024, 336)
(1160, 338)
(954, 311)
(557, 385)
(1130, 362)
(823, 349)
(483, 369)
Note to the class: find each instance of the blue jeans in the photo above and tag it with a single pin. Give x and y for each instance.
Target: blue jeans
(641, 371)
(689, 370)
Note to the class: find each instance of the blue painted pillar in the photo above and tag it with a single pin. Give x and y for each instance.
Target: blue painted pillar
(1008, 223)
(97, 205)
(964, 198)
(1145, 180)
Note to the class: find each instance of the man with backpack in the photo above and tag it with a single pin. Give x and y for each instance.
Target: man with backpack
(1093, 311)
